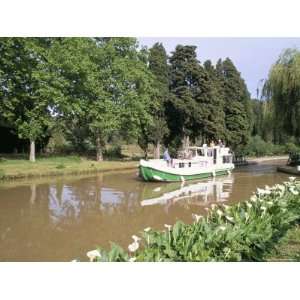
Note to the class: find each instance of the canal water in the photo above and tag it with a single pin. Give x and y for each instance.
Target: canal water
(61, 218)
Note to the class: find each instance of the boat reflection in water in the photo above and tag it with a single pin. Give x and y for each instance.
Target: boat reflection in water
(199, 193)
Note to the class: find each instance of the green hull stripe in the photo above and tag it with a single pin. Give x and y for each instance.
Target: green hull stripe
(150, 174)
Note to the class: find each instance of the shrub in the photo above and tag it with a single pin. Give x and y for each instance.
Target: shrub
(291, 148)
(246, 231)
(115, 151)
(60, 166)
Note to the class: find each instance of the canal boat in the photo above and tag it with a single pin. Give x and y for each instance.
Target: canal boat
(202, 162)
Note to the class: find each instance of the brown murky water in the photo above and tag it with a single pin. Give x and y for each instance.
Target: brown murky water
(61, 218)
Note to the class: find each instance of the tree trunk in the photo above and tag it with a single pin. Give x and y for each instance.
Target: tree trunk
(32, 151)
(186, 142)
(99, 152)
(157, 150)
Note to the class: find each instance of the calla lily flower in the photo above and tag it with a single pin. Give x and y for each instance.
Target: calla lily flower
(93, 254)
(231, 219)
(132, 259)
(147, 229)
(168, 226)
(136, 238)
(292, 179)
(133, 247)
(197, 217)
(220, 213)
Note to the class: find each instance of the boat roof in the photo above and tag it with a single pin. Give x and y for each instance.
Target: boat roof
(203, 147)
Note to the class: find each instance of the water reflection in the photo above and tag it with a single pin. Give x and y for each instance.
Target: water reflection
(199, 193)
(63, 204)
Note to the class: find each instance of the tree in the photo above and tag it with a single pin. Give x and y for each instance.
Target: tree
(158, 65)
(184, 114)
(105, 87)
(22, 106)
(196, 106)
(283, 89)
(237, 103)
(215, 127)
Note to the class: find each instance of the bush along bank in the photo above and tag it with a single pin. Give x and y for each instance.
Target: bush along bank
(246, 231)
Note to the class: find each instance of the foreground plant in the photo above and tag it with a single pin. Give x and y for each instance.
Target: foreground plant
(246, 231)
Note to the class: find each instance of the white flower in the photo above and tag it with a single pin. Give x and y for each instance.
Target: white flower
(136, 238)
(260, 191)
(93, 254)
(213, 206)
(263, 208)
(222, 228)
(294, 192)
(270, 202)
(168, 226)
(280, 187)
(206, 208)
(132, 259)
(253, 198)
(74, 260)
(197, 217)
(133, 247)
(292, 179)
(219, 212)
(147, 229)
(249, 205)
(230, 219)
(267, 188)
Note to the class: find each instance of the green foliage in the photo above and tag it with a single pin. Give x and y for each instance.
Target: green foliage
(22, 106)
(258, 147)
(60, 166)
(2, 174)
(282, 88)
(194, 102)
(237, 103)
(115, 151)
(246, 231)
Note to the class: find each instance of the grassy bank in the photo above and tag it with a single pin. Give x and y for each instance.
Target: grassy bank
(288, 248)
(12, 168)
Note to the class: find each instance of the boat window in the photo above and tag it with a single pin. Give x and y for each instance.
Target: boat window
(181, 165)
(200, 152)
(227, 159)
(210, 152)
(190, 164)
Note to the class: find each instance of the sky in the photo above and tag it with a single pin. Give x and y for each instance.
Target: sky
(253, 57)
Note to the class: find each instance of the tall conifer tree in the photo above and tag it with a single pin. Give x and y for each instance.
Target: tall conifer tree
(159, 67)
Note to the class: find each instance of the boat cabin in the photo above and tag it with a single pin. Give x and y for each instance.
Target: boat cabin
(203, 157)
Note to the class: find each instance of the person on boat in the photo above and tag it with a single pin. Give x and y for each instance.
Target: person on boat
(220, 143)
(167, 157)
(212, 144)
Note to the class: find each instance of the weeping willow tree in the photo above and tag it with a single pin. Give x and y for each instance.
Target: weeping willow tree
(283, 90)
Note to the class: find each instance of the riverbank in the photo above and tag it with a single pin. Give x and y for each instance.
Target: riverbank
(18, 168)
(267, 158)
(53, 166)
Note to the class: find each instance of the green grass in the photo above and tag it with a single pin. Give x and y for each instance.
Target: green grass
(288, 249)
(11, 168)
